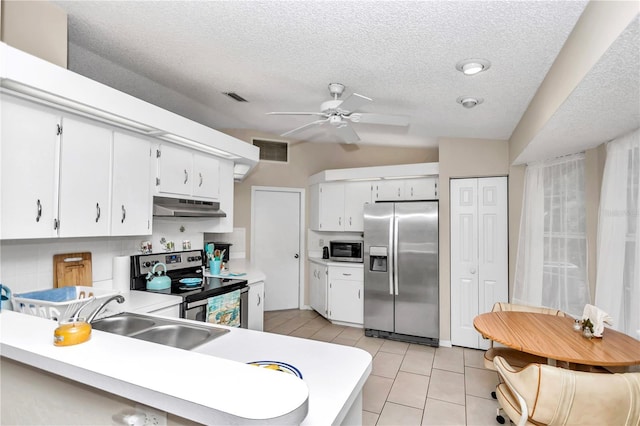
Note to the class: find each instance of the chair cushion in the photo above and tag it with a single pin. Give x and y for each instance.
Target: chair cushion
(558, 396)
(515, 358)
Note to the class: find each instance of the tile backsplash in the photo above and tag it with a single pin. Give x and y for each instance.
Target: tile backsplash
(27, 265)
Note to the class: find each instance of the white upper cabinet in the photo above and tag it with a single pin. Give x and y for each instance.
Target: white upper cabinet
(425, 188)
(131, 205)
(356, 195)
(206, 176)
(388, 190)
(421, 189)
(85, 179)
(183, 172)
(29, 167)
(174, 173)
(338, 206)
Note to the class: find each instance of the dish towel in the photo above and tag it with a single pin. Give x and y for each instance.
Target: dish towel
(224, 309)
(597, 317)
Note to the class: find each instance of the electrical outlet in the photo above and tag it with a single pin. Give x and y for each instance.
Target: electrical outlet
(151, 416)
(321, 241)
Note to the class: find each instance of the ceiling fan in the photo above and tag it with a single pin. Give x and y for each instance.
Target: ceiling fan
(339, 113)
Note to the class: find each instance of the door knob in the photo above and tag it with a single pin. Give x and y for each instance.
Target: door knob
(472, 270)
(296, 255)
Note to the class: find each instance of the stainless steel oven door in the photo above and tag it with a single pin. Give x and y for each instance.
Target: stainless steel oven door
(197, 310)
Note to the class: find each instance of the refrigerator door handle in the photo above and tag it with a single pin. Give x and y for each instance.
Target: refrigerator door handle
(395, 253)
(389, 258)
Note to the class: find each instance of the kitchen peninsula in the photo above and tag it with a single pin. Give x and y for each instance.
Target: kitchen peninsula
(211, 384)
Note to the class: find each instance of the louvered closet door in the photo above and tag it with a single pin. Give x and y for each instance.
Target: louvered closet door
(479, 255)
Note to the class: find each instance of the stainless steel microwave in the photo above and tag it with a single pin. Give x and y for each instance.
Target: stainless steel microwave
(346, 250)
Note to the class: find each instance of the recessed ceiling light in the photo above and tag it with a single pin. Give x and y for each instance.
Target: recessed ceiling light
(473, 66)
(469, 101)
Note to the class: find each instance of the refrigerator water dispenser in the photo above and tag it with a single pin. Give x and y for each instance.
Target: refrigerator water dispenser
(378, 259)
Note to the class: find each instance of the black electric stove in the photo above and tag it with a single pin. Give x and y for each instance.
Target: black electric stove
(183, 265)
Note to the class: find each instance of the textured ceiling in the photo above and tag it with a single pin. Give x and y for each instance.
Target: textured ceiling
(281, 55)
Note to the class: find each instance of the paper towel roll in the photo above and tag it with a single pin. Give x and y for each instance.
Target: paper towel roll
(122, 273)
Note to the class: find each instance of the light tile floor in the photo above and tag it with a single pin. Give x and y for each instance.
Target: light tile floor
(409, 384)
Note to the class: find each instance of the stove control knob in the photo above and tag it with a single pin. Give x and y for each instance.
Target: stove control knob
(197, 258)
(190, 259)
(146, 264)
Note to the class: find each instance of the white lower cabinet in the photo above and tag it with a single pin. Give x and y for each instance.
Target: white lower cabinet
(345, 294)
(318, 287)
(256, 306)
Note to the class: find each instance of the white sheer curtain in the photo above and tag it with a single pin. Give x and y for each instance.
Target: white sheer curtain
(618, 277)
(551, 267)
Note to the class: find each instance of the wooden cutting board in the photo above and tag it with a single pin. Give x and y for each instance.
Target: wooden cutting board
(72, 269)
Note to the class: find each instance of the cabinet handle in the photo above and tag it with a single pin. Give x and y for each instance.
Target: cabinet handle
(358, 293)
(200, 179)
(340, 221)
(186, 176)
(56, 224)
(412, 191)
(39, 211)
(349, 220)
(124, 214)
(259, 300)
(97, 212)
(398, 192)
(346, 275)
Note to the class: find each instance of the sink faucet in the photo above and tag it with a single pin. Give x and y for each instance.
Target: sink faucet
(93, 314)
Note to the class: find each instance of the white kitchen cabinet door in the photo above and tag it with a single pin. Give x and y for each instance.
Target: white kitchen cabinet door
(421, 189)
(479, 255)
(206, 176)
(85, 178)
(345, 301)
(256, 306)
(356, 195)
(29, 170)
(388, 190)
(174, 170)
(331, 207)
(131, 193)
(345, 294)
(169, 312)
(318, 288)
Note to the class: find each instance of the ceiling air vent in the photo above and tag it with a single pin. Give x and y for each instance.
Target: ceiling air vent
(235, 96)
(273, 150)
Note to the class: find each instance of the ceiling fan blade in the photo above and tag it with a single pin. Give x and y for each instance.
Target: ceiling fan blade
(301, 128)
(354, 102)
(297, 113)
(386, 119)
(346, 133)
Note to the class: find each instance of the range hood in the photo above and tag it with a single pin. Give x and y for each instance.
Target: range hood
(180, 207)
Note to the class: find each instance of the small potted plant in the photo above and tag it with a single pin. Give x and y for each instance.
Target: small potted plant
(587, 328)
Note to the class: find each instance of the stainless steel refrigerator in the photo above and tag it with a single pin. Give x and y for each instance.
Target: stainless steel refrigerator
(401, 271)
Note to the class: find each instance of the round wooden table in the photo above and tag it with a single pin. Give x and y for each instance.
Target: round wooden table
(553, 337)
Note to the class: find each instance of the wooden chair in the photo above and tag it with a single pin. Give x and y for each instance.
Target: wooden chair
(540, 394)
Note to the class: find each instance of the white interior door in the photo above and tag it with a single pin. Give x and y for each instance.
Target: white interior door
(276, 244)
(479, 254)
(464, 261)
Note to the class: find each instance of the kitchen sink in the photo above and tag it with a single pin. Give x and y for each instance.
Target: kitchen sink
(124, 324)
(159, 330)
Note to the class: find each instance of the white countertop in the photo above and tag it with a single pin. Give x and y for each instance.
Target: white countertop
(242, 266)
(328, 262)
(227, 391)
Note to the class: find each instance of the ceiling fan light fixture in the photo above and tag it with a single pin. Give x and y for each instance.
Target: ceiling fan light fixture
(469, 101)
(473, 66)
